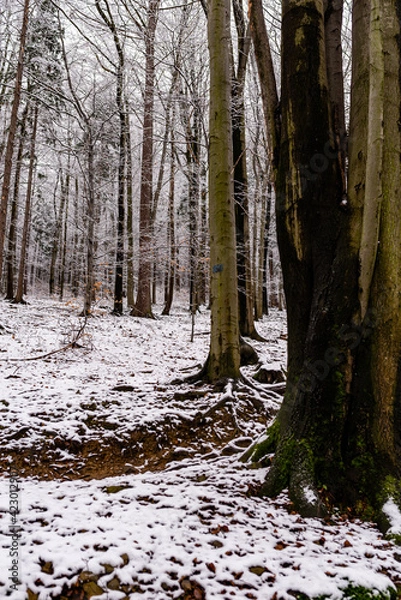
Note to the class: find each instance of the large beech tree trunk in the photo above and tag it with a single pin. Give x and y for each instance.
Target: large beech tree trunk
(339, 428)
(309, 218)
(224, 357)
(374, 443)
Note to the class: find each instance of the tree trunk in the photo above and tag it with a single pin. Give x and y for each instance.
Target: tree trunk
(75, 254)
(108, 19)
(119, 268)
(59, 216)
(264, 62)
(130, 234)
(90, 218)
(203, 274)
(171, 230)
(374, 439)
(339, 427)
(317, 267)
(224, 357)
(8, 160)
(245, 294)
(334, 59)
(143, 305)
(241, 200)
(19, 296)
(261, 255)
(193, 156)
(12, 238)
(63, 240)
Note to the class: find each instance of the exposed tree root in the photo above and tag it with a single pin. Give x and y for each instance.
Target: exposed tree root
(21, 301)
(292, 468)
(248, 356)
(199, 376)
(255, 335)
(227, 399)
(233, 391)
(135, 312)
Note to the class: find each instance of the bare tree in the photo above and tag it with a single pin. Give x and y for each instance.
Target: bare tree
(8, 160)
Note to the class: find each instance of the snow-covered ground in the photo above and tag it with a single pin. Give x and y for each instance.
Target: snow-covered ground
(154, 530)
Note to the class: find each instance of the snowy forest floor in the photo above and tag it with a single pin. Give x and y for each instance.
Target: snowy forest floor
(131, 486)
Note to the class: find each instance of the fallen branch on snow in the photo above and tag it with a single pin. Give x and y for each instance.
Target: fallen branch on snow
(72, 344)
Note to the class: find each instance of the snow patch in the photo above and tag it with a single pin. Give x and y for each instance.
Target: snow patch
(393, 513)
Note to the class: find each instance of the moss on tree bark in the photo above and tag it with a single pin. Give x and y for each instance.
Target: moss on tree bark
(339, 428)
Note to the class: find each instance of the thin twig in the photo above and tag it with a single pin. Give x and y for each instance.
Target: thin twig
(70, 345)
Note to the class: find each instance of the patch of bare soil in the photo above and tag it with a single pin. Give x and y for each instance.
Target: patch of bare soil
(223, 428)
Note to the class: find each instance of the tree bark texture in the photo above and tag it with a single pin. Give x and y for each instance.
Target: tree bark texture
(241, 199)
(171, 263)
(130, 233)
(90, 219)
(64, 240)
(224, 358)
(375, 442)
(8, 159)
(339, 425)
(107, 17)
(12, 237)
(19, 295)
(318, 272)
(143, 305)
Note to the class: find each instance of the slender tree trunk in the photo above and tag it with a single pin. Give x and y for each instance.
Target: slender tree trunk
(108, 19)
(264, 62)
(171, 232)
(90, 217)
(193, 152)
(119, 273)
(130, 234)
(224, 357)
(154, 280)
(63, 243)
(245, 288)
(12, 238)
(19, 296)
(75, 245)
(264, 252)
(203, 275)
(8, 160)
(57, 231)
(143, 305)
(245, 294)
(191, 121)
